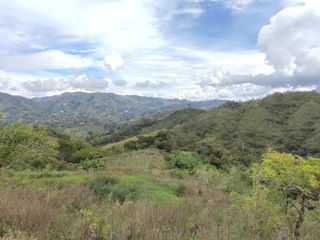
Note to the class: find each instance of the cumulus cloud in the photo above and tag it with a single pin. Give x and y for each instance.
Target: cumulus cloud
(119, 25)
(292, 40)
(79, 82)
(291, 44)
(119, 82)
(4, 80)
(149, 84)
(83, 82)
(114, 61)
(219, 78)
(46, 85)
(50, 59)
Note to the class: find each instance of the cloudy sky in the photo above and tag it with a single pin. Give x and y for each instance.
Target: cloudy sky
(194, 49)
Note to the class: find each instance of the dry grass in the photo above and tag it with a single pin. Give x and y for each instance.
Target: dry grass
(195, 218)
(33, 211)
(29, 211)
(80, 197)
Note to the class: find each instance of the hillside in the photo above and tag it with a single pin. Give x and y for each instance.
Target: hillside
(178, 174)
(89, 110)
(287, 122)
(154, 122)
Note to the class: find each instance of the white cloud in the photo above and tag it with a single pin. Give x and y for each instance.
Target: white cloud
(149, 84)
(46, 85)
(238, 5)
(292, 40)
(120, 26)
(51, 59)
(114, 61)
(194, 11)
(119, 82)
(235, 5)
(83, 82)
(31, 85)
(291, 47)
(4, 80)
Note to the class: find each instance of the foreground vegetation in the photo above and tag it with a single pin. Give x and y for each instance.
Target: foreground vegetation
(156, 185)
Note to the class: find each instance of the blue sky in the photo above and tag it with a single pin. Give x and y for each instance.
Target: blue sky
(194, 49)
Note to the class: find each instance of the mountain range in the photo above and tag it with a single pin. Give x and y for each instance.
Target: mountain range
(89, 110)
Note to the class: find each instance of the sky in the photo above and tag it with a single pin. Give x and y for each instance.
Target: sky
(186, 49)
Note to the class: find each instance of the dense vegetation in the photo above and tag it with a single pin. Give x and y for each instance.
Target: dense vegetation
(229, 173)
(89, 111)
(238, 132)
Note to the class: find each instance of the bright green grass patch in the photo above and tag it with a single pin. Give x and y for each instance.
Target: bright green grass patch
(135, 187)
(44, 179)
(153, 188)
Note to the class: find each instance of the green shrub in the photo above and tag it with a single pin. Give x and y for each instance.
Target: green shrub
(23, 147)
(106, 187)
(102, 185)
(131, 145)
(142, 143)
(89, 153)
(179, 173)
(213, 151)
(165, 141)
(94, 164)
(4, 230)
(76, 151)
(63, 227)
(125, 191)
(185, 160)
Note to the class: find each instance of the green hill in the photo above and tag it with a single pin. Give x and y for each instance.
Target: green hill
(89, 110)
(235, 131)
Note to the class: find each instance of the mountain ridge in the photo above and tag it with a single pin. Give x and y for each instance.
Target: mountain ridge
(235, 131)
(89, 110)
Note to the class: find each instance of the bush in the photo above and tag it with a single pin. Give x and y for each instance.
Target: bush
(94, 163)
(23, 146)
(213, 151)
(102, 186)
(179, 173)
(164, 141)
(106, 187)
(77, 151)
(188, 189)
(185, 160)
(89, 153)
(125, 191)
(142, 143)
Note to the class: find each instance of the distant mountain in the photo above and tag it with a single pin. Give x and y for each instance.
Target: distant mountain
(90, 110)
(287, 122)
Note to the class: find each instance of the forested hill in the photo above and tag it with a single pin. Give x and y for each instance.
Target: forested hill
(287, 122)
(89, 110)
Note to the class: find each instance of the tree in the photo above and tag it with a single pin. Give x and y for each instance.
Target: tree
(285, 188)
(22, 145)
(75, 151)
